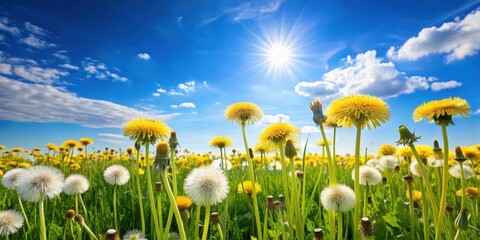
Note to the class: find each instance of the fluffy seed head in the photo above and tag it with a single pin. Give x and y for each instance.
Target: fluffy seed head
(243, 113)
(206, 185)
(39, 180)
(456, 173)
(10, 178)
(388, 161)
(116, 175)
(10, 222)
(75, 184)
(415, 168)
(134, 235)
(369, 175)
(338, 198)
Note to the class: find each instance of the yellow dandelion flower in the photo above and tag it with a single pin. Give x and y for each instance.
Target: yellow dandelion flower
(70, 144)
(2, 147)
(17, 150)
(424, 151)
(1, 173)
(12, 164)
(37, 149)
(52, 147)
(387, 149)
(141, 171)
(75, 166)
(404, 152)
(470, 192)
(24, 165)
(220, 142)
(364, 110)
(146, 130)
(246, 187)
(183, 202)
(243, 113)
(330, 123)
(264, 147)
(472, 153)
(279, 132)
(417, 196)
(86, 141)
(321, 143)
(441, 111)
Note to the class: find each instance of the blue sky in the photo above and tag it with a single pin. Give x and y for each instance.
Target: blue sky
(85, 68)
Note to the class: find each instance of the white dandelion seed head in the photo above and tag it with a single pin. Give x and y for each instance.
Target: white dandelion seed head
(116, 175)
(206, 185)
(10, 222)
(373, 162)
(10, 178)
(134, 235)
(415, 168)
(338, 198)
(388, 161)
(40, 180)
(368, 174)
(456, 173)
(75, 184)
(380, 168)
(275, 165)
(435, 163)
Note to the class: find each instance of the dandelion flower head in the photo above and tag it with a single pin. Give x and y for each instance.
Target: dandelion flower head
(220, 142)
(183, 202)
(116, 175)
(441, 111)
(9, 180)
(338, 198)
(279, 132)
(146, 130)
(367, 111)
(470, 192)
(86, 141)
(387, 149)
(243, 113)
(417, 196)
(40, 180)
(71, 144)
(10, 222)
(75, 184)
(263, 146)
(246, 187)
(134, 235)
(472, 153)
(206, 185)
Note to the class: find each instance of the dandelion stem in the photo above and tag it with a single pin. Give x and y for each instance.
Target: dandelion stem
(23, 212)
(139, 192)
(340, 226)
(159, 209)
(411, 210)
(443, 200)
(206, 223)
(197, 220)
(365, 200)
(288, 202)
(83, 205)
(150, 193)
(88, 230)
(173, 206)
(356, 211)
(115, 206)
(220, 232)
(252, 178)
(331, 164)
(43, 230)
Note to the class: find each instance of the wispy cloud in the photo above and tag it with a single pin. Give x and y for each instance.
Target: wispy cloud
(6, 26)
(112, 135)
(99, 70)
(61, 54)
(269, 119)
(69, 66)
(184, 105)
(144, 56)
(36, 42)
(182, 89)
(114, 141)
(34, 29)
(254, 9)
(476, 112)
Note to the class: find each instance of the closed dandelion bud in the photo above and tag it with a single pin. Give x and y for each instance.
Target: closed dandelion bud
(316, 107)
(459, 155)
(437, 151)
(184, 214)
(158, 186)
(270, 205)
(112, 234)
(461, 221)
(137, 145)
(300, 174)
(365, 227)
(290, 150)
(250, 151)
(129, 150)
(384, 180)
(70, 214)
(408, 178)
(406, 137)
(276, 204)
(318, 234)
(215, 218)
(449, 208)
(161, 156)
(78, 218)
(281, 198)
(173, 141)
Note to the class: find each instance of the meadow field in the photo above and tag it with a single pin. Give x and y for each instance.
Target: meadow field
(272, 189)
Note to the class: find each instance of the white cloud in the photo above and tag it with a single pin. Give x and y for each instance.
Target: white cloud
(35, 29)
(100, 71)
(112, 141)
(438, 86)
(144, 56)
(184, 105)
(187, 87)
(476, 112)
(61, 54)
(174, 93)
(310, 129)
(156, 94)
(269, 119)
(38, 74)
(69, 66)
(26, 102)
(5, 68)
(161, 90)
(5, 26)
(458, 39)
(112, 135)
(365, 74)
(34, 41)
(254, 9)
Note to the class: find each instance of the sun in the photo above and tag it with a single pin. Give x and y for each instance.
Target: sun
(279, 55)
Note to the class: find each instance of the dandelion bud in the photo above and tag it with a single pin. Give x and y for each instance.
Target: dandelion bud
(215, 218)
(437, 151)
(449, 208)
(290, 150)
(70, 213)
(406, 137)
(461, 221)
(78, 218)
(161, 156)
(137, 145)
(276, 204)
(384, 180)
(408, 178)
(158, 186)
(316, 107)
(300, 174)
(281, 198)
(250, 151)
(270, 205)
(173, 141)
(129, 150)
(112, 234)
(365, 227)
(318, 233)
(459, 155)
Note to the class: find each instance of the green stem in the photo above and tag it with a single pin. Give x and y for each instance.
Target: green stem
(411, 210)
(331, 164)
(43, 230)
(139, 193)
(356, 211)
(265, 225)
(88, 230)
(150, 193)
(295, 203)
(174, 172)
(464, 197)
(76, 203)
(23, 212)
(426, 220)
(159, 208)
(197, 220)
(173, 205)
(220, 232)
(443, 200)
(340, 226)
(288, 203)
(207, 222)
(83, 206)
(365, 200)
(331, 224)
(252, 178)
(115, 207)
